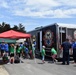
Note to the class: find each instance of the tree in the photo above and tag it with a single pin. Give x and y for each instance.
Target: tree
(6, 27)
(3, 24)
(21, 28)
(15, 27)
(0, 28)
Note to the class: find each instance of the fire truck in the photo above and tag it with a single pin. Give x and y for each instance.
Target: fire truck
(52, 34)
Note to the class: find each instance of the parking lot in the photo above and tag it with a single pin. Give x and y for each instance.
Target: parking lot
(35, 67)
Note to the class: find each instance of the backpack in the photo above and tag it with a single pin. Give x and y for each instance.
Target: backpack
(16, 59)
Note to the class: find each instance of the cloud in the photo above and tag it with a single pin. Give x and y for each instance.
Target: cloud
(70, 3)
(3, 4)
(58, 13)
(42, 3)
(64, 13)
(41, 8)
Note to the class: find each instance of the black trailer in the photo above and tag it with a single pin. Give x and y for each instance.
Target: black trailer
(53, 34)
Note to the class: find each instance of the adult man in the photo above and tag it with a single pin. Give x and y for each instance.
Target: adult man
(6, 48)
(66, 46)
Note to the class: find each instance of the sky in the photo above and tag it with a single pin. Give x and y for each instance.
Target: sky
(36, 13)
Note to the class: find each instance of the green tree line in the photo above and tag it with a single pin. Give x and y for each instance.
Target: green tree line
(5, 27)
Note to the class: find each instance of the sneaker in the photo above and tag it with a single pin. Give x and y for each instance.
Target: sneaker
(8, 63)
(63, 63)
(67, 64)
(73, 62)
(56, 60)
(43, 61)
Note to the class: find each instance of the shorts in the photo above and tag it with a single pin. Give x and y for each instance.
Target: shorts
(12, 55)
(54, 56)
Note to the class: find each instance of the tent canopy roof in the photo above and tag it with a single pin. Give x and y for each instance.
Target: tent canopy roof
(7, 40)
(14, 34)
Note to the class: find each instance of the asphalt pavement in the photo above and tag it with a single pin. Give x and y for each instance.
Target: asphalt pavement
(36, 67)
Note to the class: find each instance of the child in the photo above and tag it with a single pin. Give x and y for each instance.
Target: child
(12, 53)
(18, 50)
(5, 58)
(43, 54)
(26, 52)
(54, 54)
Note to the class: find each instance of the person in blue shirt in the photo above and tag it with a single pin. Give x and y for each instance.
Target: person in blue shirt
(21, 44)
(66, 46)
(6, 47)
(26, 51)
(2, 48)
(74, 51)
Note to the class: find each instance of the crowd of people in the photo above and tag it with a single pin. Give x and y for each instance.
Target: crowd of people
(15, 51)
(12, 52)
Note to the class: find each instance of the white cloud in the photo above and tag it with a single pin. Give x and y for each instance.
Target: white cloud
(65, 13)
(42, 8)
(71, 3)
(42, 3)
(58, 13)
(3, 4)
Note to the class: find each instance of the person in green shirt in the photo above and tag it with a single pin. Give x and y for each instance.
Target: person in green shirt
(18, 50)
(43, 54)
(23, 51)
(12, 53)
(54, 54)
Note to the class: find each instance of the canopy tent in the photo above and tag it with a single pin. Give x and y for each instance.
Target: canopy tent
(14, 34)
(8, 40)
